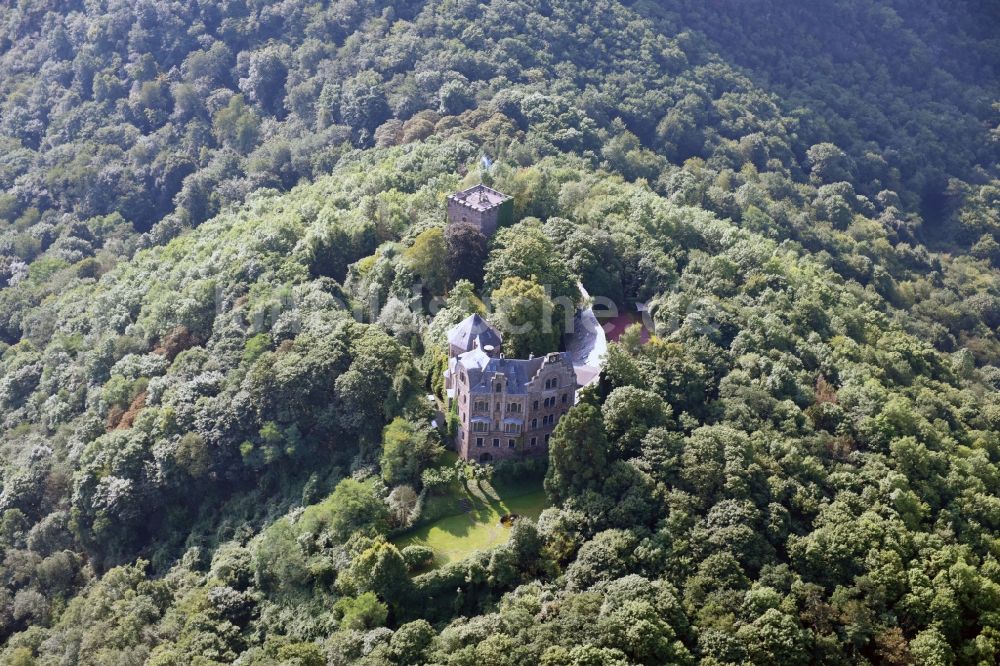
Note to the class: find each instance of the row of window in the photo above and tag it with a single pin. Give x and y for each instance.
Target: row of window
(549, 384)
(515, 407)
(483, 426)
(511, 443)
(551, 402)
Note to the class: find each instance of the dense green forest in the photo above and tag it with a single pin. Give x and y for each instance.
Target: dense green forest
(225, 281)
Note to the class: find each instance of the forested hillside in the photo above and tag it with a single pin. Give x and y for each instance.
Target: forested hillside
(225, 280)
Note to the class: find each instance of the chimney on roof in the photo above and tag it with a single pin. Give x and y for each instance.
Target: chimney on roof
(531, 355)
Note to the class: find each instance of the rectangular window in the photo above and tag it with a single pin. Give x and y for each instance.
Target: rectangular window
(479, 442)
(565, 397)
(534, 441)
(534, 423)
(496, 443)
(510, 443)
(546, 440)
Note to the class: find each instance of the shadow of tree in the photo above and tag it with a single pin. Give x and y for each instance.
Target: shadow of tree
(474, 522)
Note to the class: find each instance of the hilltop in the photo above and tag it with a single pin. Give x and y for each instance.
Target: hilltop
(226, 285)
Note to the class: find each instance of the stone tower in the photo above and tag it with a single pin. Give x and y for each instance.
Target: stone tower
(482, 207)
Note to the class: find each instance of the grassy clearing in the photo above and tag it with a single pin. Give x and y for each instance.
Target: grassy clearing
(468, 518)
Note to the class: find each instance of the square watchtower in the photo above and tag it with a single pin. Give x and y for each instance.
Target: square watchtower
(482, 207)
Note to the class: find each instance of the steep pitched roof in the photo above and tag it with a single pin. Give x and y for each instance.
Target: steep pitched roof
(465, 333)
(517, 372)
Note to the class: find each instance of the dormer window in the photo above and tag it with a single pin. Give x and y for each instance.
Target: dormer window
(499, 387)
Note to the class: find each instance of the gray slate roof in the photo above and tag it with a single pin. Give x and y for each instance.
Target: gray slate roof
(465, 333)
(518, 372)
(476, 359)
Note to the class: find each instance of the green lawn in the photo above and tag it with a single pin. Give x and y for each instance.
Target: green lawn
(470, 518)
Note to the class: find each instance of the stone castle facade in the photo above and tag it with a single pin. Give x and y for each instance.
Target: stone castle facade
(507, 408)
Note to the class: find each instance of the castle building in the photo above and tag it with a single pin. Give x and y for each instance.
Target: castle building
(507, 408)
(481, 206)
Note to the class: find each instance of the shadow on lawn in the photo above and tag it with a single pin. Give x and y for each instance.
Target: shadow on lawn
(471, 520)
(487, 506)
